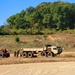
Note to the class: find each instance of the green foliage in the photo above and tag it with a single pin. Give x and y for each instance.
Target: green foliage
(42, 19)
(17, 39)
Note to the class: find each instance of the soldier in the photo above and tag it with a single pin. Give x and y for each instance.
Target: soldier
(21, 52)
(14, 53)
(17, 53)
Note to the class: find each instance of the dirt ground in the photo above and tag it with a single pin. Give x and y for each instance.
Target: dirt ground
(63, 57)
(49, 68)
(63, 64)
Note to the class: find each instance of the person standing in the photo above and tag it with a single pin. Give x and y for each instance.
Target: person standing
(14, 53)
(17, 53)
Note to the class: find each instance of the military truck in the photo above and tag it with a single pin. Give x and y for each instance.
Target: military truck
(46, 51)
(4, 53)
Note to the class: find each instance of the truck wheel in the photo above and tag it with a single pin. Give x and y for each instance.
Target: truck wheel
(24, 54)
(30, 55)
(52, 54)
(43, 54)
(49, 54)
(7, 55)
(1, 55)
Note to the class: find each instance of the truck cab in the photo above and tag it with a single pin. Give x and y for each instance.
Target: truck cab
(50, 50)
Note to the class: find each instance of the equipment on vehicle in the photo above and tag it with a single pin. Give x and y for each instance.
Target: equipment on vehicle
(4, 53)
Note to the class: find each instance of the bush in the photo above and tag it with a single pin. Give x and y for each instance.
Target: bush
(17, 39)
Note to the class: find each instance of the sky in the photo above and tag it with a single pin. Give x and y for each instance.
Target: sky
(11, 7)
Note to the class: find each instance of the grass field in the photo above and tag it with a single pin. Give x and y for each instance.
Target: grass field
(67, 41)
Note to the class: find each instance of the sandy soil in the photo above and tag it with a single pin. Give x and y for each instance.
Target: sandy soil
(63, 57)
(60, 65)
(52, 68)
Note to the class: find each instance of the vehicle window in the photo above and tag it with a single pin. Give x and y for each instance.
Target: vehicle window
(59, 48)
(54, 48)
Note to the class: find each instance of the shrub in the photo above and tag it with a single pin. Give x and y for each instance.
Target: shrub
(17, 39)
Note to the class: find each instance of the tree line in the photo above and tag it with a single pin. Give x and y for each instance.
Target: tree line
(43, 19)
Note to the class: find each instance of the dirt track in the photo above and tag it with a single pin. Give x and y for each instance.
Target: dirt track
(52, 68)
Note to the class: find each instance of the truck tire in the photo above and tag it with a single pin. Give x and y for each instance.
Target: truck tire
(43, 54)
(24, 54)
(7, 55)
(49, 54)
(30, 55)
(52, 54)
(1, 55)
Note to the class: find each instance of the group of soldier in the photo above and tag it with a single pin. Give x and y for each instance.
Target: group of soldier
(16, 53)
